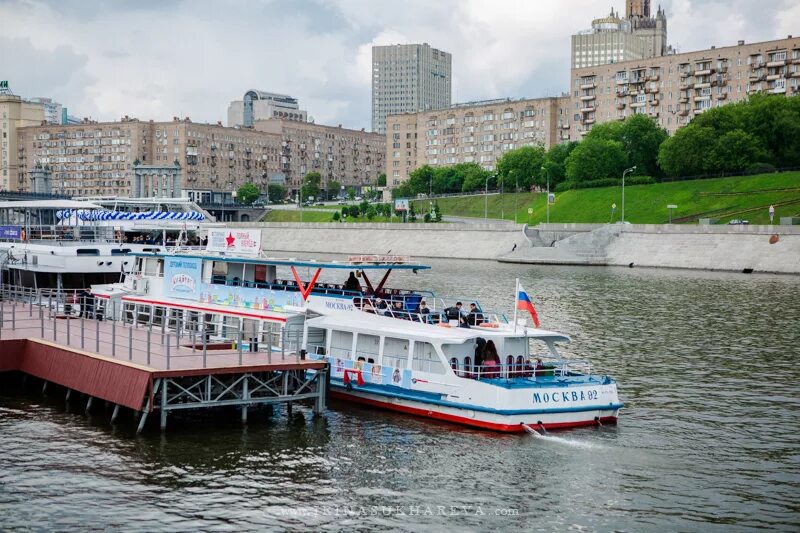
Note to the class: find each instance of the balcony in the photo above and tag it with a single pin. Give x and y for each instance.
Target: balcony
(652, 90)
(587, 97)
(683, 99)
(779, 63)
(702, 97)
(588, 109)
(588, 121)
(565, 126)
(653, 78)
(653, 114)
(755, 76)
(638, 104)
(683, 112)
(773, 77)
(655, 101)
(698, 110)
(621, 106)
(587, 86)
(685, 86)
(622, 82)
(704, 85)
(704, 72)
(583, 132)
(621, 94)
(722, 96)
(686, 74)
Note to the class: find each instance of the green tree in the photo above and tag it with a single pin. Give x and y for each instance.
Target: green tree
(351, 194)
(595, 159)
(555, 162)
(371, 212)
(686, 152)
(474, 177)
(334, 189)
(336, 216)
(412, 214)
(382, 179)
(640, 135)
(248, 193)
(311, 184)
(736, 150)
(419, 181)
(437, 212)
(522, 167)
(276, 193)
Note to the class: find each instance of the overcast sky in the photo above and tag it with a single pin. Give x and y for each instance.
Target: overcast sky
(154, 59)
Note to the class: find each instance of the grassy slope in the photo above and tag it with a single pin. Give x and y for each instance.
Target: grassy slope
(723, 198)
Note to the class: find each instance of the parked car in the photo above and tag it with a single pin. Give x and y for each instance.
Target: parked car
(320, 203)
(738, 221)
(359, 198)
(342, 201)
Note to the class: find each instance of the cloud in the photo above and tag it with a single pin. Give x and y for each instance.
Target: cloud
(156, 59)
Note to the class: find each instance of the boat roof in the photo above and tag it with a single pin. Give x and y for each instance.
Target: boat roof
(48, 204)
(313, 263)
(405, 329)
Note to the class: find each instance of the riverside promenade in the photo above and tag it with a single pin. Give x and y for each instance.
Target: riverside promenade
(146, 369)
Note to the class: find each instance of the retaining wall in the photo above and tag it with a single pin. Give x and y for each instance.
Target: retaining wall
(457, 241)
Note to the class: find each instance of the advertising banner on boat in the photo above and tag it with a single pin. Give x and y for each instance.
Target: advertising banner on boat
(248, 298)
(10, 232)
(182, 277)
(370, 373)
(239, 241)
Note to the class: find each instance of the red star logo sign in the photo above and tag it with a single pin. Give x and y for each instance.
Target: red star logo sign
(230, 239)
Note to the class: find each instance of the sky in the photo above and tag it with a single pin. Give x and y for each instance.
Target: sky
(156, 59)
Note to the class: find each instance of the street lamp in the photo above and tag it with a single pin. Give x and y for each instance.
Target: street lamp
(547, 199)
(627, 171)
(486, 199)
(233, 200)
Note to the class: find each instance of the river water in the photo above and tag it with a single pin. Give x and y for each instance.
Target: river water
(707, 364)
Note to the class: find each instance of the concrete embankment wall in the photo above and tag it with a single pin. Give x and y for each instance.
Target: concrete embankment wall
(732, 248)
(457, 241)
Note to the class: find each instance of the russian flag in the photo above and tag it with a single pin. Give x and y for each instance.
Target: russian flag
(524, 304)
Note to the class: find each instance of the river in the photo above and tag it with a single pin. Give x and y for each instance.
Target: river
(707, 365)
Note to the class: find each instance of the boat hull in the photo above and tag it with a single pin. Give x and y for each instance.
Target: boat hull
(479, 419)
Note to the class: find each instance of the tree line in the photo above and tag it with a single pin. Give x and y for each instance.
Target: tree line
(757, 135)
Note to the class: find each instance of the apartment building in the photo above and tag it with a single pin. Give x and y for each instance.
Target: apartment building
(407, 78)
(97, 158)
(478, 132)
(351, 157)
(674, 88)
(14, 113)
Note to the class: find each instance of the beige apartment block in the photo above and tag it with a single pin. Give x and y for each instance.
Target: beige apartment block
(14, 113)
(97, 158)
(351, 157)
(475, 132)
(675, 88)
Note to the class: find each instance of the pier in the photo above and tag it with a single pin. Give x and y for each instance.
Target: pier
(150, 364)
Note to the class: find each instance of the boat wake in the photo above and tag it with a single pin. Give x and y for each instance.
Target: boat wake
(559, 440)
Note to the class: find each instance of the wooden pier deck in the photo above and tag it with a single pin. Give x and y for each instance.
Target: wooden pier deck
(144, 369)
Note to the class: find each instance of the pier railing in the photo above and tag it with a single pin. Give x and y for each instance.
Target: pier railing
(159, 337)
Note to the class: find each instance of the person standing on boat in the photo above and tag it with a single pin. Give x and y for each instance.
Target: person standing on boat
(424, 312)
(491, 361)
(352, 283)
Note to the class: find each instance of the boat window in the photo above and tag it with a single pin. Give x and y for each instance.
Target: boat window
(341, 344)
(368, 346)
(426, 359)
(395, 352)
(120, 251)
(87, 251)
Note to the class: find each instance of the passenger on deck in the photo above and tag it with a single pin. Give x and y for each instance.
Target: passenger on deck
(462, 317)
(424, 312)
(380, 306)
(480, 346)
(367, 307)
(398, 311)
(475, 317)
(352, 283)
(539, 369)
(491, 361)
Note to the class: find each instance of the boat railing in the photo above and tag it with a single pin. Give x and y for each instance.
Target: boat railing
(442, 318)
(522, 368)
(55, 235)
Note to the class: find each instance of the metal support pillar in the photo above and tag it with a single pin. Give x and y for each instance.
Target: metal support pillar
(149, 331)
(322, 382)
(113, 338)
(89, 405)
(245, 397)
(69, 392)
(130, 343)
(239, 344)
(44, 387)
(168, 345)
(83, 327)
(115, 413)
(97, 336)
(163, 404)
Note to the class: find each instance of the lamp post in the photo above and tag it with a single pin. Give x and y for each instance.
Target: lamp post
(627, 171)
(486, 199)
(233, 200)
(547, 199)
(430, 193)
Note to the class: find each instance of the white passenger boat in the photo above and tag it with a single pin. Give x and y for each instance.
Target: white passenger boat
(399, 358)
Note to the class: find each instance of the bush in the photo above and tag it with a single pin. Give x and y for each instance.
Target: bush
(605, 182)
(427, 217)
(760, 168)
(336, 216)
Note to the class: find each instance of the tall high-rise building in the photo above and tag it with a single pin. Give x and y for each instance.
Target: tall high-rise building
(261, 105)
(613, 39)
(407, 78)
(14, 113)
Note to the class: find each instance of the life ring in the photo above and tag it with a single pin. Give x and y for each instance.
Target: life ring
(489, 325)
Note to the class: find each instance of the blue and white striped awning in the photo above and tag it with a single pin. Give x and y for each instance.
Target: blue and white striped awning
(87, 215)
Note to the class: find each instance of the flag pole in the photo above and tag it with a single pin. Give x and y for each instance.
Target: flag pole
(516, 301)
